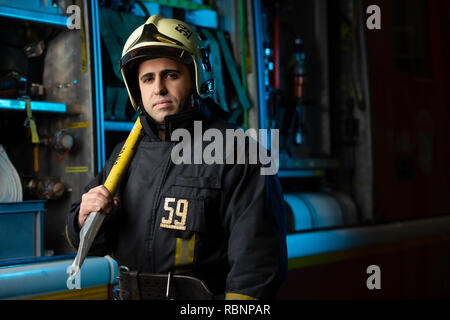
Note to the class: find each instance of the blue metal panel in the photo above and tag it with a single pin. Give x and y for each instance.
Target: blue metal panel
(17, 234)
(41, 278)
(25, 206)
(48, 106)
(23, 261)
(118, 126)
(98, 83)
(43, 106)
(166, 11)
(202, 18)
(21, 229)
(153, 8)
(31, 11)
(312, 243)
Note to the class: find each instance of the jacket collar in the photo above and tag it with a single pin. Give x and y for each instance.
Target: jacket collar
(184, 119)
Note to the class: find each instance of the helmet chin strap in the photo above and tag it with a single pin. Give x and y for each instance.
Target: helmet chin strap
(159, 126)
(162, 126)
(192, 100)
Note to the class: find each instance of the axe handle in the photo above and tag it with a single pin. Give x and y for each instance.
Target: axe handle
(124, 158)
(89, 230)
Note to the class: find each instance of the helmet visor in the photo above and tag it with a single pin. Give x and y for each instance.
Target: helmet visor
(151, 34)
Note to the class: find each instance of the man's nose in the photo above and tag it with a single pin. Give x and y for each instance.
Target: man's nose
(160, 88)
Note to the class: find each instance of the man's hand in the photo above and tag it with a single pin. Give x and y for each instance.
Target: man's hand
(96, 199)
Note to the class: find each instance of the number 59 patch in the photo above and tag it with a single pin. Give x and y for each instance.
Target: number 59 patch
(177, 212)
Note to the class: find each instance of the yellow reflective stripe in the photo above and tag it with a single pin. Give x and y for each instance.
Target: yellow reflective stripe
(238, 296)
(92, 293)
(33, 128)
(74, 125)
(178, 252)
(184, 253)
(77, 169)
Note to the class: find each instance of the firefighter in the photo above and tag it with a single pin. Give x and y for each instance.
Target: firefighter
(222, 224)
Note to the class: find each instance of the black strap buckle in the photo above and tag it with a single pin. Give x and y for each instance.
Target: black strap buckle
(150, 286)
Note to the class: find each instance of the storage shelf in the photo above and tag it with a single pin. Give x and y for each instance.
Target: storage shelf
(43, 106)
(31, 15)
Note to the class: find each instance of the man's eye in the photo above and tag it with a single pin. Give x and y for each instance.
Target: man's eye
(146, 80)
(172, 76)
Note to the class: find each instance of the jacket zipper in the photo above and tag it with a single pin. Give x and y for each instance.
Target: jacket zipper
(153, 211)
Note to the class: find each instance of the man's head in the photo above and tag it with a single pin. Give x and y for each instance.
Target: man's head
(165, 85)
(164, 61)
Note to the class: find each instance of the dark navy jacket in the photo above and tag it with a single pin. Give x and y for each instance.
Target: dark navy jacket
(221, 223)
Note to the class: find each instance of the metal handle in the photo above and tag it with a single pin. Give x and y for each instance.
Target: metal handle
(87, 235)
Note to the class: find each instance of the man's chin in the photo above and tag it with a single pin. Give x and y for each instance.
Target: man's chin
(161, 116)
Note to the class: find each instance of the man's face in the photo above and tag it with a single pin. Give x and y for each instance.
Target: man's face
(165, 87)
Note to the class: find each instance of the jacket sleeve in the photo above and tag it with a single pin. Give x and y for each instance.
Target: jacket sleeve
(102, 244)
(256, 225)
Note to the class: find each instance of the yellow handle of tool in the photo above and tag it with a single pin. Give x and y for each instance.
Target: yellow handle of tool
(33, 128)
(124, 158)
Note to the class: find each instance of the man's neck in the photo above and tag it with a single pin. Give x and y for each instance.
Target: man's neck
(162, 135)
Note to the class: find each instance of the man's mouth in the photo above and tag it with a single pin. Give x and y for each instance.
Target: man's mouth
(162, 103)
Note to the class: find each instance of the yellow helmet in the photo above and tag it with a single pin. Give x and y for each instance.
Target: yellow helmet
(162, 37)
